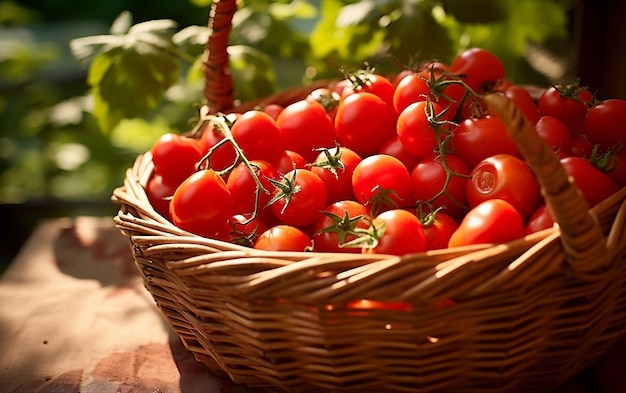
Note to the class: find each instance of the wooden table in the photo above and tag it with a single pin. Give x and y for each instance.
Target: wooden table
(75, 317)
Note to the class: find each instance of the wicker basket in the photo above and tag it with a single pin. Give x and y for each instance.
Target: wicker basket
(517, 317)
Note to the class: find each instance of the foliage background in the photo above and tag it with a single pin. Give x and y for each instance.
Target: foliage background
(61, 154)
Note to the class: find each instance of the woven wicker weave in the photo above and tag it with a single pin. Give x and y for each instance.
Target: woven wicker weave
(516, 317)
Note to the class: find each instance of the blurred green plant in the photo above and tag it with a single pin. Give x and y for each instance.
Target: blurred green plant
(73, 142)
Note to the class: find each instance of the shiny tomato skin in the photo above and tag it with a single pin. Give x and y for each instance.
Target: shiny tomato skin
(556, 134)
(479, 68)
(539, 220)
(258, 135)
(394, 147)
(159, 194)
(283, 238)
(604, 124)
(439, 230)
(342, 161)
(410, 89)
(289, 160)
(327, 98)
(364, 122)
(429, 178)
(378, 174)
(505, 177)
(273, 110)
(492, 221)
(302, 207)
(202, 204)
(330, 233)
(478, 138)
(376, 84)
(416, 131)
(618, 170)
(244, 230)
(594, 184)
(403, 233)
(242, 187)
(176, 157)
(568, 106)
(305, 126)
(524, 102)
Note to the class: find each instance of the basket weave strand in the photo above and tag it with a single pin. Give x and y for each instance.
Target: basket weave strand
(517, 317)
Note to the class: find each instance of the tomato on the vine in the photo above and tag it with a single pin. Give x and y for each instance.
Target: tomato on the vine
(568, 103)
(328, 98)
(335, 167)
(244, 229)
(492, 221)
(283, 238)
(367, 81)
(176, 157)
(506, 177)
(288, 160)
(440, 181)
(298, 198)
(244, 188)
(364, 122)
(397, 232)
(438, 229)
(381, 182)
(420, 124)
(202, 204)
(304, 127)
(337, 224)
(258, 135)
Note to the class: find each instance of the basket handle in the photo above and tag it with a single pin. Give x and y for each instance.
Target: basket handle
(218, 82)
(581, 235)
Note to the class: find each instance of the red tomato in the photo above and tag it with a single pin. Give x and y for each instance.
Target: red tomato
(381, 181)
(567, 103)
(327, 98)
(594, 184)
(366, 81)
(441, 186)
(618, 172)
(539, 220)
(524, 102)
(223, 156)
(258, 135)
(479, 68)
(438, 229)
(492, 221)
(273, 110)
(299, 198)
(417, 130)
(288, 160)
(556, 134)
(412, 88)
(364, 122)
(335, 167)
(506, 177)
(402, 233)
(478, 138)
(581, 147)
(604, 124)
(175, 157)
(242, 187)
(305, 126)
(245, 230)
(202, 204)
(395, 148)
(159, 194)
(337, 224)
(283, 238)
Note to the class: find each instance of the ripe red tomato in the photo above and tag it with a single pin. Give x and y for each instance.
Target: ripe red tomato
(478, 138)
(479, 68)
(283, 238)
(441, 186)
(327, 98)
(395, 148)
(336, 225)
(335, 167)
(242, 187)
(243, 229)
(370, 82)
(492, 221)
(581, 147)
(568, 103)
(364, 122)
(604, 124)
(438, 229)
(402, 233)
(159, 194)
(175, 157)
(299, 198)
(258, 135)
(556, 134)
(202, 204)
(223, 156)
(416, 129)
(288, 160)
(412, 88)
(594, 184)
(380, 182)
(524, 102)
(505, 177)
(539, 220)
(273, 110)
(305, 126)
(618, 170)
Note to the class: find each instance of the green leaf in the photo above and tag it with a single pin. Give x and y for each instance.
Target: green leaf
(475, 11)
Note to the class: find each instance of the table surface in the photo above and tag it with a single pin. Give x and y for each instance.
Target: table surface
(74, 316)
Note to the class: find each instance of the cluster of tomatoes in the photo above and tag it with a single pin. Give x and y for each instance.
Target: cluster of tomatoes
(385, 165)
